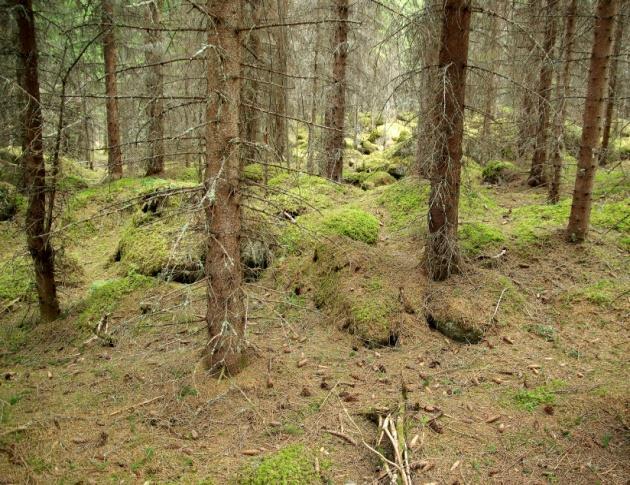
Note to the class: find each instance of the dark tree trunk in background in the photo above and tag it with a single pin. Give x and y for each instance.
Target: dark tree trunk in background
(38, 242)
(537, 171)
(526, 128)
(226, 311)
(310, 156)
(155, 88)
(442, 256)
(114, 154)
(279, 88)
(562, 90)
(591, 120)
(336, 110)
(612, 87)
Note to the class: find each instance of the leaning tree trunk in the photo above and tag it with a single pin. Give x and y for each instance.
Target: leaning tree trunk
(38, 240)
(114, 154)
(226, 312)
(591, 120)
(562, 90)
(334, 118)
(155, 89)
(537, 171)
(612, 87)
(442, 257)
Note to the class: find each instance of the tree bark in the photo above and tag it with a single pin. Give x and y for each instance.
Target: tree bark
(310, 156)
(562, 89)
(114, 154)
(537, 172)
(612, 87)
(155, 88)
(591, 120)
(442, 256)
(279, 87)
(334, 118)
(226, 312)
(38, 240)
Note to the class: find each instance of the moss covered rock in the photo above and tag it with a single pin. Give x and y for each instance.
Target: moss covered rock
(9, 201)
(498, 172)
(366, 147)
(377, 179)
(455, 316)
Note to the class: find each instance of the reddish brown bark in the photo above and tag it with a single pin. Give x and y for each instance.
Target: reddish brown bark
(612, 87)
(155, 88)
(537, 172)
(38, 240)
(114, 154)
(442, 256)
(336, 111)
(226, 312)
(562, 90)
(591, 120)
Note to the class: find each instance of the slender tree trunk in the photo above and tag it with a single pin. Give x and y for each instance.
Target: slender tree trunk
(310, 164)
(337, 104)
(528, 103)
(591, 120)
(537, 172)
(155, 88)
(562, 90)
(226, 311)
(250, 118)
(491, 88)
(612, 87)
(38, 240)
(442, 256)
(114, 154)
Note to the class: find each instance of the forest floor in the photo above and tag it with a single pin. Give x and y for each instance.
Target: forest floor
(542, 398)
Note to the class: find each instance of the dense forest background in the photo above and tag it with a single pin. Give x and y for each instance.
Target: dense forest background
(287, 241)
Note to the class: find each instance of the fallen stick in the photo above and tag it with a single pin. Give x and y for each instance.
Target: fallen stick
(345, 437)
(143, 403)
(24, 427)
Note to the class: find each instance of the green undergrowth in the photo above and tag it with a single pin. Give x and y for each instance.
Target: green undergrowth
(406, 201)
(299, 194)
(104, 296)
(498, 171)
(476, 237)
(16, 279)
(530, 399)
(291, 465)
(602, 293)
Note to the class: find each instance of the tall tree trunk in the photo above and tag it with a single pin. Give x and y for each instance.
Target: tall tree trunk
(612, 86)
(250, 98)
(310, 156)
(442, 256)
(279, 88)
(155, 88)
(114, 154)
(562, 90)
(528, 101)
(591, 120)
(537, 171)
(38, 240)
(337, 104)
(491, 47)
(226, 311)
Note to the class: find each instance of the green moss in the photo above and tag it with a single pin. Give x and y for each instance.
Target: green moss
(355, 178)
(16, 279)
(254, 172)
(105, 295)
(406, 201)
(497, 171)
(475, 237)
(9, 201)
(154, 246)
(370, 316)
(367, 147)
(298, 195)
(292, 465)
(350, 222)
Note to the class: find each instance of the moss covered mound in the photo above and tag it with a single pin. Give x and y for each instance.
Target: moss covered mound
(377, 179)
(476, 237)
(292, 465)
(294, 195)
(9, 201)
(162, 246)
(498, 172)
